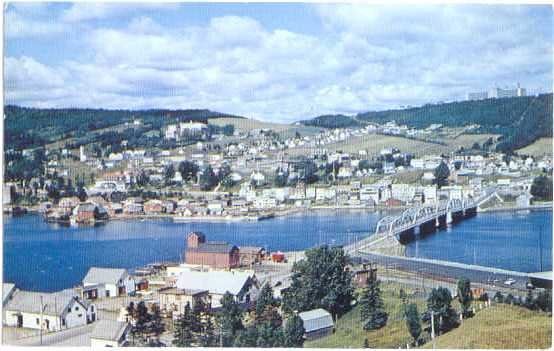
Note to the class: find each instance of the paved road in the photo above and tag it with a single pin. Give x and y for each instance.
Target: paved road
(435, 269)
(79, 336)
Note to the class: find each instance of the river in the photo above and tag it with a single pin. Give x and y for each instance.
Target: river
(48, 257)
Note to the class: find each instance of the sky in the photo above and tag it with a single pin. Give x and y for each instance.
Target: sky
(275, 62)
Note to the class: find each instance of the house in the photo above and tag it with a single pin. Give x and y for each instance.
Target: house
(153, 207)
(60, 310)
(172, 301)
(88, 211)
(317, 323)
(109, 333)
(107, 282)
(244, 286)
(249, 255)
(215, 254)
(363, 274)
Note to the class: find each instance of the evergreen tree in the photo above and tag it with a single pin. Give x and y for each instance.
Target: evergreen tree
(413, 322)
(371, 306)
(498, 297)
(294, 332)
(464, 296)
(530, 301)
(544, 300)
(247, 337)
(265, 300)
(366, 344)
(439, 304)
(182, 335)
(208, 337)
(141, 321)
(230, 319)
(156, 326)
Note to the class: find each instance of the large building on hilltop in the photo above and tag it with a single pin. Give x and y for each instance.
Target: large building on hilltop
(496, 93)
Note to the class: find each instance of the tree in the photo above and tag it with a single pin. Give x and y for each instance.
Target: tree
(247, 337)
(542, 188)
(439, 304)
(280, 178)
(169, 173)
(498, 297)
(544, 300)
(265, 300)
(413, 322)
(182, 335)
(294, 332)
(188, 170)
(476, 146)
(464, 296)
(207, 336)
(366, 344)
(156, 326)
(371, 306)
(530, 301)
(321, 280)
(141, 321)
(441, 174)
(230, 319)
(208, 179)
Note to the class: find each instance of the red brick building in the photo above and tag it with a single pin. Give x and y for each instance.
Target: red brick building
(215, 254)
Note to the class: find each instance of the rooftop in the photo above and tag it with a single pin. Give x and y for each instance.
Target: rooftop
(107, 329)
(316, 319)
(97, 275)
(218, 282)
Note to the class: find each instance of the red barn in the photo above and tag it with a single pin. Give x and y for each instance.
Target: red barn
(215, 254)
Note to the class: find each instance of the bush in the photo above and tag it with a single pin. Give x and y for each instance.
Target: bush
(498, 297)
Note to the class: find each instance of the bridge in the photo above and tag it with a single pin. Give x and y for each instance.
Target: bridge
(424, 219)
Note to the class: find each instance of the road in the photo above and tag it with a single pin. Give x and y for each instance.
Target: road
(435, 269)
(79, 336)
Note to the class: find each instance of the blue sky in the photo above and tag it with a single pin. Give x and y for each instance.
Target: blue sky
(279, 62)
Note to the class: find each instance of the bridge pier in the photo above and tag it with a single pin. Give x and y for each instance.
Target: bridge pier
(457, 216)
(470, 212)
(441, 221)
(407, 236)
(427, 227)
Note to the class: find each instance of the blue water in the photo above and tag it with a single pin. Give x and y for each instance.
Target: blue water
(508, 240)
(48, 257)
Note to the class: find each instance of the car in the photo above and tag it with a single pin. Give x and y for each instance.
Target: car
(509, 281)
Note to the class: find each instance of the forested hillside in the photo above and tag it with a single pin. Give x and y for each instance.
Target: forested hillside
(32, 127)
(520, 120)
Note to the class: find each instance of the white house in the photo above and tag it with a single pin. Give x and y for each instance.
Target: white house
(317, 323)
(109, 333)
(243, 286)
(107, 282)
(60, 310)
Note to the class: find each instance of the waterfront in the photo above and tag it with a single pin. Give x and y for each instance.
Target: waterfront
(36, 252)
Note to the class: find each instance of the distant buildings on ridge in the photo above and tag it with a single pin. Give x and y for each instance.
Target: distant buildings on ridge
(496, 92)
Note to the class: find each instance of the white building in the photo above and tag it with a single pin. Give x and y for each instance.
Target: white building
(107, 282)
(60, 310)
(109, 333)
(243, 286)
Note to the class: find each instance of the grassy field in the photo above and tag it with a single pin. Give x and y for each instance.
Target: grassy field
(541, 147)
(374, 143)
(349, 332)
(249, 124)
(500, 327)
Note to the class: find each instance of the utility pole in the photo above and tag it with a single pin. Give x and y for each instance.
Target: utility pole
(433, 328)
(41, 318)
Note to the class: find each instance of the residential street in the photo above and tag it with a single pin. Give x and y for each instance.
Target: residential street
(79, 336)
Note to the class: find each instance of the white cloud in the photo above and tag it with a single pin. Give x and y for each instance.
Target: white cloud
(367, 58)
(17, 26)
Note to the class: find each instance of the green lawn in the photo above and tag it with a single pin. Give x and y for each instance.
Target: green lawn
(349, 332)
(500, 326)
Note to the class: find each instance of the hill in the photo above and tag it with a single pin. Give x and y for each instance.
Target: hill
(32, 127)
(500, 327)
(520, 120)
